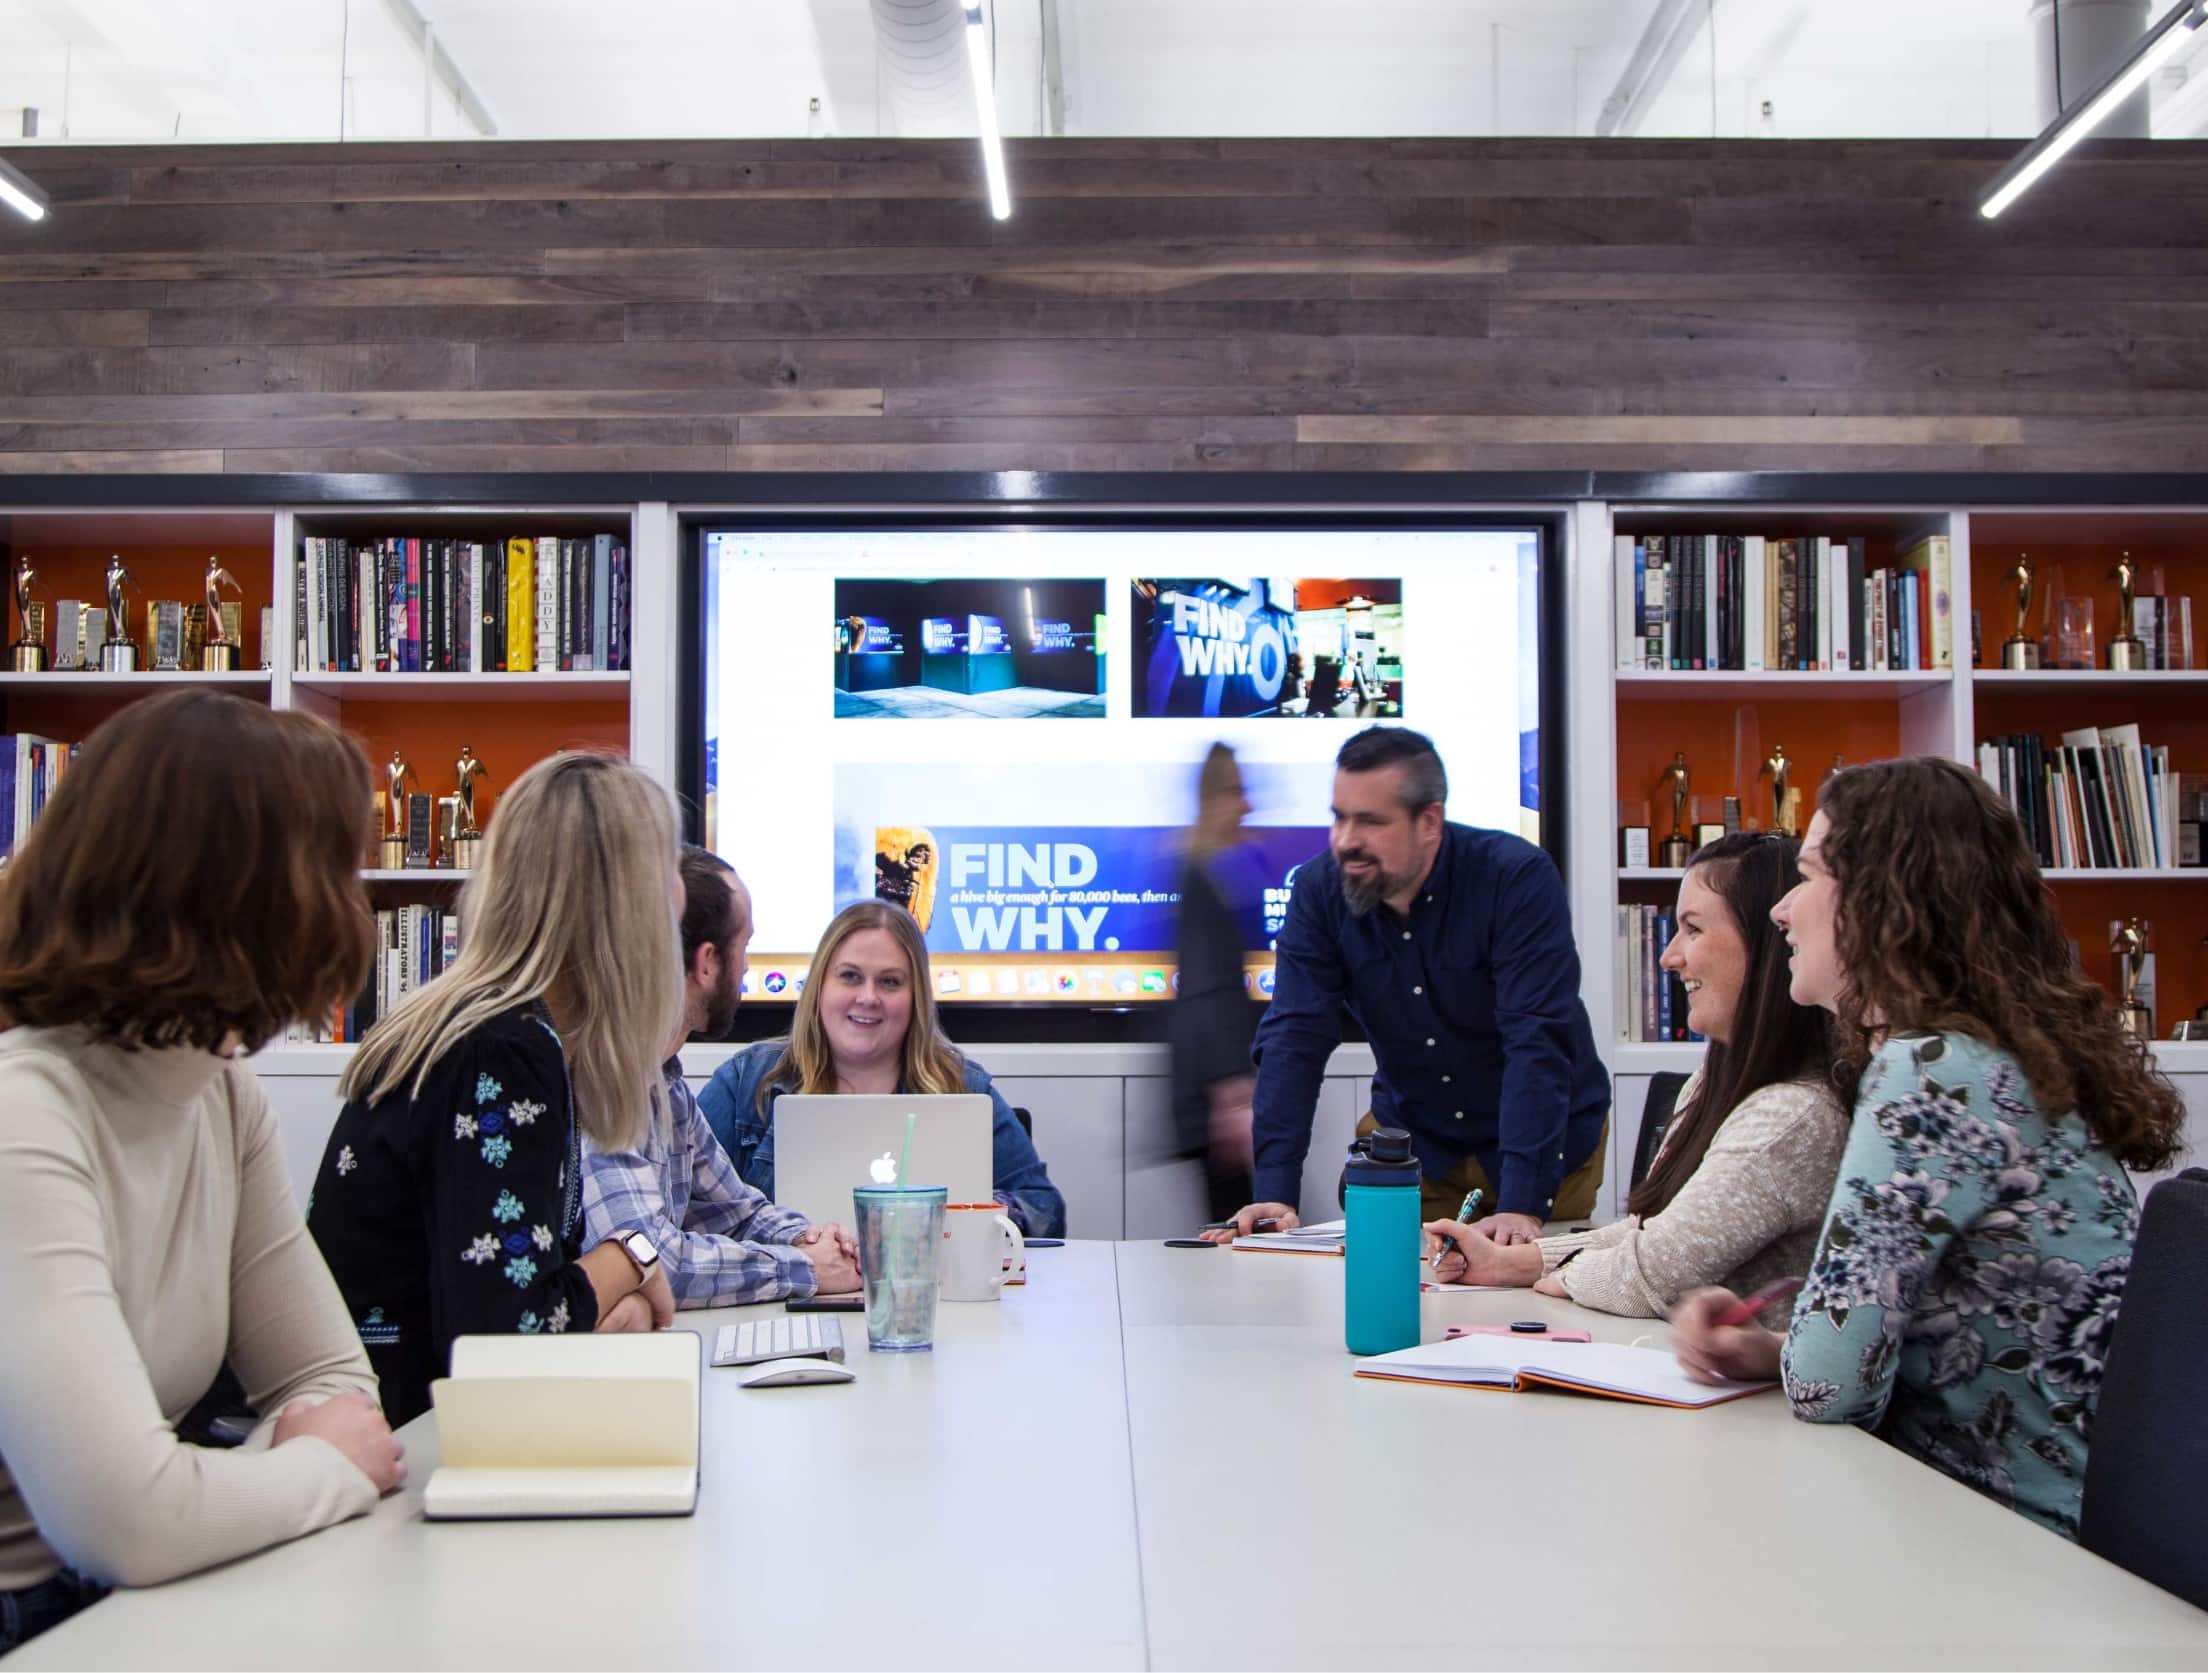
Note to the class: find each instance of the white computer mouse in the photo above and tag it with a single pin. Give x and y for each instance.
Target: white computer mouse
(793, 1373)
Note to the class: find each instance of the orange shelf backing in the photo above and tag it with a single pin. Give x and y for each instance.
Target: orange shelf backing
(2086, 569)
(1649, 734)
(2176, 910)
(507, 738)
(164, 571)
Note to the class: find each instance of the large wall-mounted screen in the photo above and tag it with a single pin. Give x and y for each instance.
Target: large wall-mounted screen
(999, 728)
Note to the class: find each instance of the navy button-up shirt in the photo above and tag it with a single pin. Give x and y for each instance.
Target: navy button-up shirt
(1472, 1007)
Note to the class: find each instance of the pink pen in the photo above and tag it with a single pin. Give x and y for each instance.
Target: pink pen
(1745, 1310)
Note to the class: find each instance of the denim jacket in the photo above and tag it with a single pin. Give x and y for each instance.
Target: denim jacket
(730, 1104)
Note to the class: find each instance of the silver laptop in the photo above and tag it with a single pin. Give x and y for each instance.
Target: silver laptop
(824, 1145)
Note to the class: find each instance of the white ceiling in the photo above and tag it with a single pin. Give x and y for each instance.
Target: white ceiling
(139, 70)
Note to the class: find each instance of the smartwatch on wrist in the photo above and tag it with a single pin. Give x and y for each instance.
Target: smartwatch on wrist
(643, 1255)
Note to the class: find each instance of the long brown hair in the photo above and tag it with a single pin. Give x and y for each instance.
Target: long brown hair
(1945, 923)
(927, 1062)
(195, 880)
(1773, 1039)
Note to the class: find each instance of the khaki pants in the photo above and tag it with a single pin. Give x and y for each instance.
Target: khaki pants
(1440, 1195)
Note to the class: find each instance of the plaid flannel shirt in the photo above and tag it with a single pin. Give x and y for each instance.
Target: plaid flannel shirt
(723, 1244)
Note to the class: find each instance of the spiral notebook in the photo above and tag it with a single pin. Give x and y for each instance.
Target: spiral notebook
(1327, 1238)
(1649, 1376)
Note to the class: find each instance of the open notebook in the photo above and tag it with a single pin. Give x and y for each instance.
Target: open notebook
(1327, 1238)
(567, 1426)
(1648, 1375)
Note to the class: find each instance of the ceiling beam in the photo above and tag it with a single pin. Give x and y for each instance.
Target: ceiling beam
(439, 63)
(1663, 43)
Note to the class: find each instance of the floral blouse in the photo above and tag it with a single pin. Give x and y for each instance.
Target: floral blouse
(1964, 1294)
(458, 1212)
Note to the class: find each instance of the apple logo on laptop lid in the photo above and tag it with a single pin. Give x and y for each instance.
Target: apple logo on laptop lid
(883, 1169)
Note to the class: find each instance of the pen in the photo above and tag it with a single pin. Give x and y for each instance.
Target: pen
(1267, 1224)
(1464, 1218)
(1745, 1310)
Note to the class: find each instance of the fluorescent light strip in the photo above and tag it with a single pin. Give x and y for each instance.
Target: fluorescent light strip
(21, 194)
(2068, 130)
(985, 111)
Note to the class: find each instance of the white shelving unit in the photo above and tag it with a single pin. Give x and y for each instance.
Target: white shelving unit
(1935, 711)
(91, 680)
(468, 688)
(440, 874)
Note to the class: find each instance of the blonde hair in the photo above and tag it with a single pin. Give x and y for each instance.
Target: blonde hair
(572, 901)
(927, 1062)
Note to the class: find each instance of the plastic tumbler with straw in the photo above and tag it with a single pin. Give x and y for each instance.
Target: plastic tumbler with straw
(901, 1256)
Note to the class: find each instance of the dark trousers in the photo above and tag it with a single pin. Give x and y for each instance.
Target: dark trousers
(29, 1612)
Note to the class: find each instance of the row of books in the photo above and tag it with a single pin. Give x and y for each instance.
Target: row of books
(429, 606)
(1694, 602)
(1655, 1001)
(414, 945)
(2101, 800)
(31, 768)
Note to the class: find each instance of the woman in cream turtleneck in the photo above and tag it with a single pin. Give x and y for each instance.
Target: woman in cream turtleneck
(191, 888)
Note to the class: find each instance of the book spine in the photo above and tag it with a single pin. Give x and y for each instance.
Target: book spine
(1628, 577)
(547, 616)
(521, 605)
(601, 604)
(621, 608)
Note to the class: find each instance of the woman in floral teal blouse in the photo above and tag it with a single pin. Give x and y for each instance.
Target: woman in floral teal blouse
(1967, 1283)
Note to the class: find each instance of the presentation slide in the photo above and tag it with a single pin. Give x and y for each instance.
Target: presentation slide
(1005, 736)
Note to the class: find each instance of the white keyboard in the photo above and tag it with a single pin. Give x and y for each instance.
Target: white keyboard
(782, 1336)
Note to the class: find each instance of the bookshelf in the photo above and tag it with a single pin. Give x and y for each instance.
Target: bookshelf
(1725, 720)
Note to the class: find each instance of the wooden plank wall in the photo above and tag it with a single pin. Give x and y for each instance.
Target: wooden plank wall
(1276, 305)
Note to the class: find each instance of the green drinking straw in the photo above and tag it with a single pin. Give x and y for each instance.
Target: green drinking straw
(904, 1162)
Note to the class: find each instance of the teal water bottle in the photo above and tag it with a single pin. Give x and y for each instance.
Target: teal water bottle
(1380, 1206)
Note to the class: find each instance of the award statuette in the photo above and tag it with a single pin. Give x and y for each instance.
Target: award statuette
(1783, 799)
(2020, 649)
(118, 652)
(467, 836)
(219, 655)
(2129, 943)
(1678, 848)
(2127, 653)
(30, 646)
(394, 839)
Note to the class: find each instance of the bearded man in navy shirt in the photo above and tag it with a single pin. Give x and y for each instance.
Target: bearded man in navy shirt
(1452, 947)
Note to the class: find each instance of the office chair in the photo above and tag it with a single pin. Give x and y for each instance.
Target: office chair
(2146, 1479)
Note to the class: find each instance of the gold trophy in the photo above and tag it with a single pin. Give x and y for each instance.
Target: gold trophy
(467, 837)
(2021, 650)
(1678, 848)
(118, 652)
(30, 649)
(2127, 653)
(2129, 944)
(220, 653)
(1784, 800)
(394, 838)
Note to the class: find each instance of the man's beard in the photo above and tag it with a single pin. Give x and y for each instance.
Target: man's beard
(720, 1010)
(1362, 893)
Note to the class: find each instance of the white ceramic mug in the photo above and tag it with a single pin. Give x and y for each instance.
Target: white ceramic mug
(982, 1251)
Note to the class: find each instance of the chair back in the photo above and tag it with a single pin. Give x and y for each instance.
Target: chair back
(1663, 1094)
(2146, 1476)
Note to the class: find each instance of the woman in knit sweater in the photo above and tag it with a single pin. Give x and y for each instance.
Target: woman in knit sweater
(1738, 1191)
(147, 1228)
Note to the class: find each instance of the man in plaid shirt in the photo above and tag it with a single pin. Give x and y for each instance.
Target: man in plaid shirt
(721, 1242)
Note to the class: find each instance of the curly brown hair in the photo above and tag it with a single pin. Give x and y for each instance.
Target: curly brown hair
(194, 881)
(1945, 923)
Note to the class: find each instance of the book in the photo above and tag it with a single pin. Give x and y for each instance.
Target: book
(1329, 1237)
(567, 1425)
(1647, 1376)
(521, 608)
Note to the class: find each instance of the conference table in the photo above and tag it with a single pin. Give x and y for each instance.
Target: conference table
(1158, 1457)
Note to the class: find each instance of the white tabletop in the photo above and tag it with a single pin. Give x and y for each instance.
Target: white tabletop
(1158, 1457)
